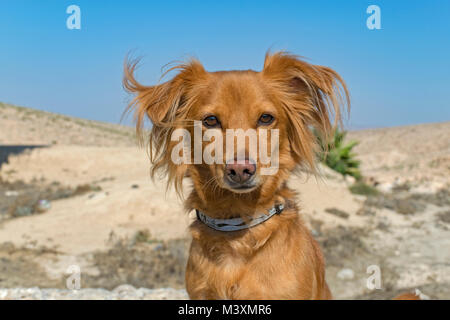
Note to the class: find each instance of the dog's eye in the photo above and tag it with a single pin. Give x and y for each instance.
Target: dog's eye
(211, 122)
(266, 119)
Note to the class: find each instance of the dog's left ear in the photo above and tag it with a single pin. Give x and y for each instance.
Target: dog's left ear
(311, 95)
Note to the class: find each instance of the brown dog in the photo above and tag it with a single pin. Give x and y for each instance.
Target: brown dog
(273, 259)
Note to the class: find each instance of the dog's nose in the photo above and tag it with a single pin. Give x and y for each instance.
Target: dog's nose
(240, 171)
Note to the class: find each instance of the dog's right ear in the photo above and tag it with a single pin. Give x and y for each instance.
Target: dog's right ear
(167, 106)
(163, 104)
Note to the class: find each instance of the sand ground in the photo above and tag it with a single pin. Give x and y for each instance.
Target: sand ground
(120, 227)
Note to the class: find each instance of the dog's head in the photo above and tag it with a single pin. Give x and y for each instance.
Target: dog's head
(228, 122)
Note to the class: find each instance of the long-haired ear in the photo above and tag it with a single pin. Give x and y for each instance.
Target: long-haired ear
(311, 95)
(166, 105)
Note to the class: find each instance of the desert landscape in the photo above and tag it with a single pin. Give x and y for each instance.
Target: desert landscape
(84, 198)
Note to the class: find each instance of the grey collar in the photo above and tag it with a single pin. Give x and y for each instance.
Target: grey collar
(236, 224)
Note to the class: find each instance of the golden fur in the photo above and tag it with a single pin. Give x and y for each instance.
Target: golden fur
(277, 259)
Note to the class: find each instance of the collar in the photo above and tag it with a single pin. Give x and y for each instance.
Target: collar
(236, 224)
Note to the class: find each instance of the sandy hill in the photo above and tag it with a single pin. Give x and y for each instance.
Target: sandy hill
(26, 126)
(416, 153)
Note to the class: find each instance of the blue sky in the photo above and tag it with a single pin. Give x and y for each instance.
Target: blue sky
(397, 75)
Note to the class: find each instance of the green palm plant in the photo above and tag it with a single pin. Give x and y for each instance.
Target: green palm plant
(338, 155)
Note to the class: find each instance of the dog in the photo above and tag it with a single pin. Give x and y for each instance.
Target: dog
(249, 240)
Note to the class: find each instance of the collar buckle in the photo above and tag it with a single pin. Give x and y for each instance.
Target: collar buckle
(279, 208)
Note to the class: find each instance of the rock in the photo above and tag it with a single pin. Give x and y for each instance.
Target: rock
(386, 187)
(421, 295)
(346, 274)
(43, 206)
(125, 290)
(128, 292)
(337, 212)
(3, 293)
(350, 180)
(11, 193)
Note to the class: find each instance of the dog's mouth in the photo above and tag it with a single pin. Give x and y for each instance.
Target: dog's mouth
(249, 186)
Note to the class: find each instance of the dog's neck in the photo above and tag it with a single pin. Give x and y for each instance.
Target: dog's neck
(225, 204)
